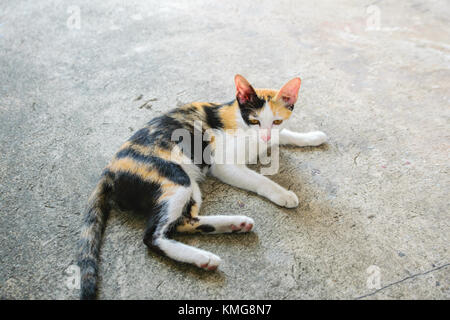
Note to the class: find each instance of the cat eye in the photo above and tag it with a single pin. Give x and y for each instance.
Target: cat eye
(277, 122)
(253, 121)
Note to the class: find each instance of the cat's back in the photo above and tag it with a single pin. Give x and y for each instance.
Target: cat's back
(153, 156)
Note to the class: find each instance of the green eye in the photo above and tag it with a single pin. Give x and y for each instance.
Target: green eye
(253, 121)
(277, 122)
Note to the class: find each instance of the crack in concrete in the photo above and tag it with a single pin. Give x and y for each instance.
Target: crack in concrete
(404, 279)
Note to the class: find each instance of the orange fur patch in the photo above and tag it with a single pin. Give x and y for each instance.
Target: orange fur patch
(174, 155)
(228, 116)
(145, 173)
(141, 170)
(277, 106)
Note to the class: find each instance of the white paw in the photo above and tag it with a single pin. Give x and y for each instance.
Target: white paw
(241, 224)
(316, 138)
(207, 260)
(286, 199)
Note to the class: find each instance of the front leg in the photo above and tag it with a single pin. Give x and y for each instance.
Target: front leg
(314, 138)
(242, 177)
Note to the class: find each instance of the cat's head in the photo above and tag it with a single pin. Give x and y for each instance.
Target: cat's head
(266, 109)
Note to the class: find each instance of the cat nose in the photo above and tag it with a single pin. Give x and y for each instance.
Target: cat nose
(266, 138)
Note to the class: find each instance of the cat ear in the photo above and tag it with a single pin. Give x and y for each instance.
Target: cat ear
(289, 92)
(244, 91)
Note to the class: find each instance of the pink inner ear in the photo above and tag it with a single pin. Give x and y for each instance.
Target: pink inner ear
(289, 92)
(244, 90)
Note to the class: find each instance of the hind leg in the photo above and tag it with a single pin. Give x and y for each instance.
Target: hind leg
(160, 225)
(192, 223)
(216, 224)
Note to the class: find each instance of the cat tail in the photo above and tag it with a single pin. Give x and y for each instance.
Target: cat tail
(91, 234)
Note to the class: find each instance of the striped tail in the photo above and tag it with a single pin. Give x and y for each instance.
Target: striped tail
(91, 234)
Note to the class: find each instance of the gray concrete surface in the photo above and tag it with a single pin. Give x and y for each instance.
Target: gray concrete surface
(375, 195)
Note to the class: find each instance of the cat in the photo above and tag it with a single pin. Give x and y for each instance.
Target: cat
(153, 176)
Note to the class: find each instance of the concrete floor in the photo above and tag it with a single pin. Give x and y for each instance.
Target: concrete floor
(373, 201)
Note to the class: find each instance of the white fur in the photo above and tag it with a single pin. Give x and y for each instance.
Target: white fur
(314, 138)
(266, 117)
(238, 175)
(227, 224)
(177, 250)
(242, 177)
(176, 204)
(222, 224)
(193, 171)
(184, 253)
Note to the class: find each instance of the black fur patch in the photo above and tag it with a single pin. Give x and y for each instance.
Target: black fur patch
(141, 137)
(212, 117)
(131, 193)
(88, 278)
(88, 264)
(165, 121)
(161, 133)
(167, 169)
(187, 209)
(156, 219)
(206, 228)
(253, 105)
(186, 111)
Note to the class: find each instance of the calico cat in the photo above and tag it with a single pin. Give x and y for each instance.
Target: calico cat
(153, 176)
